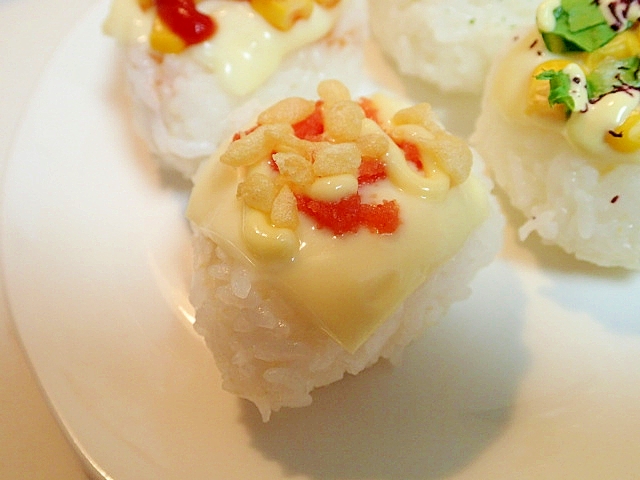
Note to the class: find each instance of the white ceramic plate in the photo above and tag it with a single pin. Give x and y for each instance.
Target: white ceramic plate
(536, 375)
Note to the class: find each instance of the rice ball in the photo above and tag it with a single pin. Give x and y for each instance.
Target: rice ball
(574, 173)
(448, 43)
(326, 243)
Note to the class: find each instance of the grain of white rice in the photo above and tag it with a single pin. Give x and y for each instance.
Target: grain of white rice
(268, 356)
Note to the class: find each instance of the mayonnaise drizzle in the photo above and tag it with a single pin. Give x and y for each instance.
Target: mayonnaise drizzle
(333, 188)
(588, 129)
(433, 185)
(246, 50)
(578, 90)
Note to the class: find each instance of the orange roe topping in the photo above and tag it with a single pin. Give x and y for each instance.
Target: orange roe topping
(183, 19)
(369, 109)
(349, 214)
(371, 170)
(411, 153)
(381, 218)
(312, 127)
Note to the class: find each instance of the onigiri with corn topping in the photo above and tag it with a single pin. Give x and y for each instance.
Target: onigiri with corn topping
(327, 235)
(560, 128)
(197, 70)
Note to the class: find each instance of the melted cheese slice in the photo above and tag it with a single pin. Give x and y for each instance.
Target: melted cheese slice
(347, 285)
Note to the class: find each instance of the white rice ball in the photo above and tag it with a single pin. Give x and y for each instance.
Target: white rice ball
(589, 212)
(449, 43)
(182, 111)
(256, 338)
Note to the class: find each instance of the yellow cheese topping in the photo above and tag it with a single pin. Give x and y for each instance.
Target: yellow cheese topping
(345, 284)
(245, 50)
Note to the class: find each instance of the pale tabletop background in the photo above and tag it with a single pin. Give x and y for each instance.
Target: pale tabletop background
(32, 445)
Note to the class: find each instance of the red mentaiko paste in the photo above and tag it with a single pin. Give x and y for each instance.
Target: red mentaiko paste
(369, 108)
(411, 153)
(312, 127)
(349, 214)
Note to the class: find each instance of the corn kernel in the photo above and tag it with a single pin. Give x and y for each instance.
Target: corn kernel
(624, 45)
(327, 3)
(163, 40)
(626, 137)
(145, 4)
(283, 14)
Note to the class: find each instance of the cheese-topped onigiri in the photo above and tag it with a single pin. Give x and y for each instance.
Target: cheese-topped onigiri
(559, 129)
(327, 235)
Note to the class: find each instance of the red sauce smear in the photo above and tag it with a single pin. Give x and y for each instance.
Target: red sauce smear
(183, 19)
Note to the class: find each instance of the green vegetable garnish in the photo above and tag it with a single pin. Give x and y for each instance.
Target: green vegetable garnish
(560, 85)
(611, 74)
(608, 76)
(580, 26)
